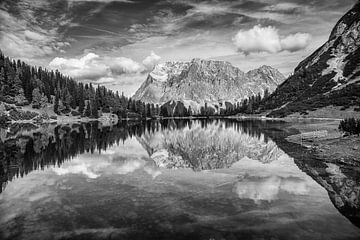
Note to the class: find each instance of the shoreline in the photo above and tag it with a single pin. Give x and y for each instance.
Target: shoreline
(327, 143)
(75, 119)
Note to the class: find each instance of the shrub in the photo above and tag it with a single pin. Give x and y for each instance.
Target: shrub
(66, 111)
(4, 119)
(75, 113)
(21, 115)
(350, 126)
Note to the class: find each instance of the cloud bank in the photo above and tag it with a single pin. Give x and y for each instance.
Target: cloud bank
(268, 39)
(92, 67)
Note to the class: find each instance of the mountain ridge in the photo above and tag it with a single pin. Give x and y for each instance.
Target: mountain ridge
(329, 76)
(202, 81)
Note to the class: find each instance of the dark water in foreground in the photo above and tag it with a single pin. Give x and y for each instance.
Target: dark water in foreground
(170, 180)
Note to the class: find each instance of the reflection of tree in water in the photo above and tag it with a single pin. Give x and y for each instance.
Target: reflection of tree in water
(27, 147)
(32, 149)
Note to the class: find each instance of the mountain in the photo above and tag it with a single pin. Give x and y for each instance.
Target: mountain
(329, 76)
(200, 81)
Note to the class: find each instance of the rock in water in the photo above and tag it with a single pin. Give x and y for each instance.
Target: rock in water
(330, 76)
(200, 81)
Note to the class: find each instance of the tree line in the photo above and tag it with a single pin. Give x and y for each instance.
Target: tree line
(251, 105)
(22, 84)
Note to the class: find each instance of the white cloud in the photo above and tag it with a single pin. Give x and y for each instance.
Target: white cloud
(258, 39)
(125, 65)
(286, 7)
(296, 42)
(34, 35)
(88, 67)
(151, 60)
(92, 67)
(268, 39)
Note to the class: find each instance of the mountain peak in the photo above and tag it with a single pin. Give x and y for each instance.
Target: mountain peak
(203, 80)
(350, 18)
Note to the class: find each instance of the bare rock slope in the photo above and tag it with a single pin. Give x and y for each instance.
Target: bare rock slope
(199, 81)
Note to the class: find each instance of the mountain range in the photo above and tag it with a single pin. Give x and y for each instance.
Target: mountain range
(328, 77)
(201, 81)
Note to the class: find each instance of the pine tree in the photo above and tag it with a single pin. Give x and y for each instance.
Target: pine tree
(2, 84)
(266, 94)
(190, 111)
(157, 110)
(206, 112)
(250, 108)
(148, 110)
(81, 101)
(15, 90)
(56, 104)
(88, 110)
(94, 108)
(39, 100)
(67, 98)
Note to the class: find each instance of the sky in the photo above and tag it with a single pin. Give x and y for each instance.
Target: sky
(116, 43)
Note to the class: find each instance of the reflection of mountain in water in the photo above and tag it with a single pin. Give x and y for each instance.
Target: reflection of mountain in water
(219, 145)
(205, 144)
(340, 181)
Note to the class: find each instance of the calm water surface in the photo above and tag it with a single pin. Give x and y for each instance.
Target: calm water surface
(170, 180)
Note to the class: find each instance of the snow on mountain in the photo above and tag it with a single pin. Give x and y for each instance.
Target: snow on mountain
(200, 81)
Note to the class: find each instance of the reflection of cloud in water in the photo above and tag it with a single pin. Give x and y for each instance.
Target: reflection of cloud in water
(77, 169)
(268, 188)
(129, 166)
(116, 160)
(152, 171)
(23, 193)
(89, 165)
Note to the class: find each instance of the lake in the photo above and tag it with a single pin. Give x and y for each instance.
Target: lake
(198, 179)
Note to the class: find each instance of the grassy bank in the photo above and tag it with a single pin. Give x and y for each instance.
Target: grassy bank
(328, 143)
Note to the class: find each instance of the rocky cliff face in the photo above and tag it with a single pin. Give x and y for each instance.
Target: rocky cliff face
(330, 76)
(200, 81)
